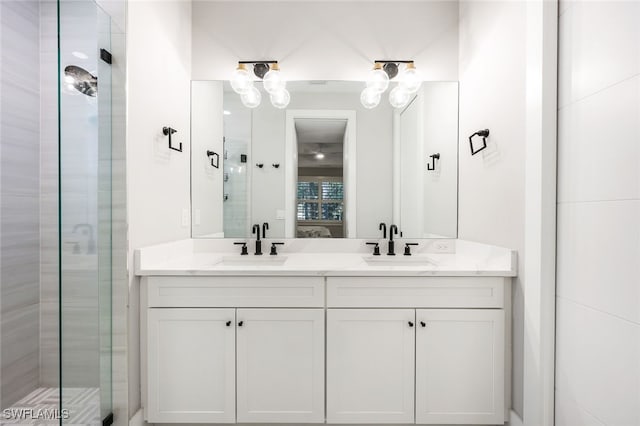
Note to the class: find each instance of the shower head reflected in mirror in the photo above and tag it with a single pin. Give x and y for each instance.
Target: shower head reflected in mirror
(81, 80)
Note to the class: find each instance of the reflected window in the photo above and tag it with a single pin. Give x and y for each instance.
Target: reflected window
(320, 199)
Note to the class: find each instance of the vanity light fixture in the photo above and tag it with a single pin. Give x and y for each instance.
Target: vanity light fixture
(410, 79)
(273, 81)
(241, 80)
(399, 97)
(370, 97)
(251, 98)
(280, 99)
(378, 81)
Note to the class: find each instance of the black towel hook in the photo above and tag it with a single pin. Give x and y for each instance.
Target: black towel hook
(214, 157)
(482, 133)
(433, 157)
(168, 131)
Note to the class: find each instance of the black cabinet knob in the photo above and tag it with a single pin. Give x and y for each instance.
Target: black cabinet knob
(240, 323)
(410, 324)
(228, 323)
(423, 324)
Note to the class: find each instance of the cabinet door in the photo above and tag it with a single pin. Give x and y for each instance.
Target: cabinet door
(460, 366)
(370, 365)
(191, 365)
(280, 365)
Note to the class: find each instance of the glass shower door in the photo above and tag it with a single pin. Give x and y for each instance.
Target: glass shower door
(85, 211)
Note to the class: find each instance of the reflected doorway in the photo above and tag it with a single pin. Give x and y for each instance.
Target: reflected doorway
(320, 183)
(324, 162)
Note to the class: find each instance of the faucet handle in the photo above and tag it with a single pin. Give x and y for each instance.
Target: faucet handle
(376, 248)
(407, 248)
(274, 250)
(244, 251)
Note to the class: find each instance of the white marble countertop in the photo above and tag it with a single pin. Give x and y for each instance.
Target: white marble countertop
(298, 257)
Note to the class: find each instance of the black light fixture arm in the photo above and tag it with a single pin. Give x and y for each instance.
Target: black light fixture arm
(390, 66)
(260, 68)
(257, 62)
(393, 61)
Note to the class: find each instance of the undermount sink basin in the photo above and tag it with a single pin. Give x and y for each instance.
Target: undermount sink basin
(397, 260)
(251, 260)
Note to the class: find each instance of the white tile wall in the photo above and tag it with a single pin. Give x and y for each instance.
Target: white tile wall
(598, 256)
(598, 47)
(19, 192)
(598, 268)
(598, 365)
(49, 366)
(600, 150)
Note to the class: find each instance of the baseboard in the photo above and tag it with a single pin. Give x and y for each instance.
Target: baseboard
(137, 419)
(514, 419)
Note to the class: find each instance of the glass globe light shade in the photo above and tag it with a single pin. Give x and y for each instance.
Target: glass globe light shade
(251, 98)
(241, 80)
(410, 79)
(280, 99)
(273, 81)
(370, 98)
(378, 79)
(399, 97)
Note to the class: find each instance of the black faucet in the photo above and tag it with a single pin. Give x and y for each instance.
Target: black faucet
(256, 230)
(265, 226)
(383, 227)
(393, 230)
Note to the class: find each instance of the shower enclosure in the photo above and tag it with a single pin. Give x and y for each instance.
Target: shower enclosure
(55, 212)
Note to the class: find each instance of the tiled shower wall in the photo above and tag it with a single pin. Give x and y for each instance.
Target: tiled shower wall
(49, 367)
(19, 199)
(598, 285)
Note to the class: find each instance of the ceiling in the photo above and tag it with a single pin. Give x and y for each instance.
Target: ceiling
(324, 136)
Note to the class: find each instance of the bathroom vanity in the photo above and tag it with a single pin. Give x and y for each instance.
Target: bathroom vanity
(324, 332)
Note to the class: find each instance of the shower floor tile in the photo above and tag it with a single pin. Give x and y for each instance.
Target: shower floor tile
(37, 408)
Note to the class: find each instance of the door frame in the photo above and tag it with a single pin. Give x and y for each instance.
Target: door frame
(291, 167)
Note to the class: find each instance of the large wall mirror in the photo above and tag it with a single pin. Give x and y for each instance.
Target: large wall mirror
(324, 167)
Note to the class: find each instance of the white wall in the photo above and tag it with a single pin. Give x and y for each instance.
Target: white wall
(333, 40)
(19, 199)
(207, 135)
(491, 184)
(440, 103)
(159, 74)
(598, 284)
(373, 165)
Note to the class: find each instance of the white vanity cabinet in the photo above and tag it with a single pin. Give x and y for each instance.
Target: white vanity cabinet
(205, 364)
(392, 349)
(280, 370)
(370, 365)
(460, 370)
(442, 362)
(191, 362)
